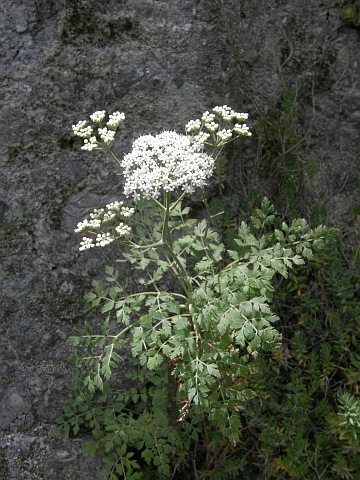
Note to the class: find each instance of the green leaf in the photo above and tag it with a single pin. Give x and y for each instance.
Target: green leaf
(89, 297)
(147, 455)
(73, 341)
(91, 447)
(155, 361)
(233, 255)
(213, 370)
(108, 306)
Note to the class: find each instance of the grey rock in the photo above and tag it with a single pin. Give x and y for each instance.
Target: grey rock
(163, 62)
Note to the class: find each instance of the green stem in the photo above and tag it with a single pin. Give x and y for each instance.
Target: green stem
(129, 327)
(158, 204)
(147, 293)
(108, 149)
(183, 276)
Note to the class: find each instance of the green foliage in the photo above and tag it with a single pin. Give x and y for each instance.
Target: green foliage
(303, 421)
(281, 151)
(195, 346)
(349, 13)
(240, 342)
(349, 411)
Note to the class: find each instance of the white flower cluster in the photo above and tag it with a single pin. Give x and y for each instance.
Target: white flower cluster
(225, 135)
(165, 162)
(98, 117)
(207, 117)
(86, 243)
(100, 240)
(218, 127)
(127, 212)
(94, 223)
(115, 119)
(103, 239)
(106, 134)
(123, 230)
(114, 206)
(90, 144)
(82, 130)
(227, 114)
(201, 138)
(242, 130)
(193, 126)
(88, 225)
(104, 218)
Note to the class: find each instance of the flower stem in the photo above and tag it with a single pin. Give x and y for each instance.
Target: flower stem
(183, 275)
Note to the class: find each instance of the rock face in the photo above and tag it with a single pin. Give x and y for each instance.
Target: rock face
(162, 62)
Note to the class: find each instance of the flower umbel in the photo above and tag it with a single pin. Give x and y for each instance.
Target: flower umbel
(82, 130)
(115, 119)
(104, 226)
(106, 134)
(157, 164)
(90, 144)
(165, 162)
(223, 125)
(98, 117)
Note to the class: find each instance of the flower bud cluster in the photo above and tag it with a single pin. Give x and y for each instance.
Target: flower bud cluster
(115, 119)
(223, 125)
(193, 126)
(90, 144)
(225, 135)
(103, 239)
(106, 134)
(82, 130)
(98, 117)
(104, 227)
(227, 114)
(123, 230)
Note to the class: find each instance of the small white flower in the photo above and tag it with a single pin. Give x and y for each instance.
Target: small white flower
(242, 130)
(207, 117)
(220, 110)
(201, 138)
(224, 135)
(115, 119)
(123, 230)
(90, 144)
(114, 206)
(97, 213)
(127, 212)
(193, 126)
(211, 126)
(108, 216)
(228, 114)
(88, 225)
(98, 117)
(106, 135)
(82, 130)
(225, 112)
(240, 117)
(86, 243)
(103, 239)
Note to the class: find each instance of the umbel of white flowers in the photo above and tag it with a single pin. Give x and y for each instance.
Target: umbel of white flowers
(160, 163)
(105, 218)
(165, 162)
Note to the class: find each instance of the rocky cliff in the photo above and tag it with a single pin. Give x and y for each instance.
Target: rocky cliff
(162, 62)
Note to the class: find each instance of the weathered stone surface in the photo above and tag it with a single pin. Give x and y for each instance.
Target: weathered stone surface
(162, 62)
